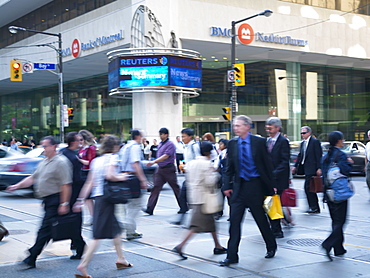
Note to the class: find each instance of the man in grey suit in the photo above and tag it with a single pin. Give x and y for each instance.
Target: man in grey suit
(248, 178)
(309, 164)
(279, 149)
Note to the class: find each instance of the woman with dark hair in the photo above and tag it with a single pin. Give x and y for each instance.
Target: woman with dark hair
(86, 154)
(200, 178)
(338, 211)
(105, 224)
(208, 137)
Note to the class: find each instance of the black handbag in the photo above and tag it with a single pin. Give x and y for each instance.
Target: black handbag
(65, 227)
(133, 183)
(116, 192)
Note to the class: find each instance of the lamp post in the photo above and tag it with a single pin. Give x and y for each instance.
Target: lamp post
(266, 13)
(14, 30)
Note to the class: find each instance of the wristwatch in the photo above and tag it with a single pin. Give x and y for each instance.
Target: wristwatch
(64, 204)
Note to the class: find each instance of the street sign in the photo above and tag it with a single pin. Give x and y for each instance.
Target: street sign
(65, 115)
(230, 76)
(44, 66)
(27, 67)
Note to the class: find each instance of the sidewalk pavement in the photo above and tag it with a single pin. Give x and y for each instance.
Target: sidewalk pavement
(298, 254)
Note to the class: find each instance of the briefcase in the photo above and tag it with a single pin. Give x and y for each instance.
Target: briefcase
(289, 198)
(316, 185)
(65, 227)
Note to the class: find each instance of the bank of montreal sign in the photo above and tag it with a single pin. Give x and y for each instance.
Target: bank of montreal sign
(246, 35)
(77, 47)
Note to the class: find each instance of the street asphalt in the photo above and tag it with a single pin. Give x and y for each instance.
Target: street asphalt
(298, 255)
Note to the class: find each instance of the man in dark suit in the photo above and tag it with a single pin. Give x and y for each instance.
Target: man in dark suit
(309, 164)
(279, 149)
(248, 178)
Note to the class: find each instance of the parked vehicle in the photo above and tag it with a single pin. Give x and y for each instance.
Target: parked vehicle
(15, 166)
(353, 149)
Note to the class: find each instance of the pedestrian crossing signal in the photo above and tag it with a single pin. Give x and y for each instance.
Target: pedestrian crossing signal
(239, 75)
(227, 115)
(15, 70)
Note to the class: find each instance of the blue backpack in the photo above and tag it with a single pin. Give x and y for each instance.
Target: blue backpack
(339, 186)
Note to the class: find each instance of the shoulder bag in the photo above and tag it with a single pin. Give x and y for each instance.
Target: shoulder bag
(213, 201)
(116, 192)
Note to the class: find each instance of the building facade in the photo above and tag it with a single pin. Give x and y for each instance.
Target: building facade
(307, 64)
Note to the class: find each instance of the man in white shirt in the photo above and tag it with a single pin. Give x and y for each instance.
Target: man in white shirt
(367, 159)
(180, 146)
(131, 156)
(192, 150)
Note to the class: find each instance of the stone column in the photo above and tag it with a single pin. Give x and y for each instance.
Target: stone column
(152, 111)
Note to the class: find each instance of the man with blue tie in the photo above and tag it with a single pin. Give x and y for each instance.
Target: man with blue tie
(248, 178)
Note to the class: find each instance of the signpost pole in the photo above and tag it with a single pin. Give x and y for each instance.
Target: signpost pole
(233, 60)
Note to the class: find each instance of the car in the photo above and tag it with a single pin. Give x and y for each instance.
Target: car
(6, 152)
(353, 149)
(17, 166)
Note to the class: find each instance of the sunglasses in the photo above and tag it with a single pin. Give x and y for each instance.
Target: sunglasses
(303, 132)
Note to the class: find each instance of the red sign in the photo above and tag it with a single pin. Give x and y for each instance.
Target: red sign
(245, 33)
(76, 48)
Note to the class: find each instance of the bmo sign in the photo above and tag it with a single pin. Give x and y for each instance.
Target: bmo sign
(76, 48)
(246, 35)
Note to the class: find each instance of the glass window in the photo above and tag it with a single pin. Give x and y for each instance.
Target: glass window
(47, 16)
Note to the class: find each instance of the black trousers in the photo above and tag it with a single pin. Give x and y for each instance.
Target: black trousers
(338, 214)
(51, 204)
(78, 243)
(183, 199)
(313, 201)
(250, 196)
(179, 157)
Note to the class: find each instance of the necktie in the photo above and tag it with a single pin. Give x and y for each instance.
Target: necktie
(245, 162)
(270, 145)
(304, 143)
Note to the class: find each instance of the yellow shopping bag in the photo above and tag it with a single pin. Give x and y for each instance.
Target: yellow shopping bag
(272, 206)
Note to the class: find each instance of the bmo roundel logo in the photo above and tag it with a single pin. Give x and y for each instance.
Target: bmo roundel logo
(76, 48)
(245, 33)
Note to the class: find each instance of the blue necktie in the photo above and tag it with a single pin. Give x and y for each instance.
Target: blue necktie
(245, 165)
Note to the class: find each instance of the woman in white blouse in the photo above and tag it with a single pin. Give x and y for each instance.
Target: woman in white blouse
(105, 224)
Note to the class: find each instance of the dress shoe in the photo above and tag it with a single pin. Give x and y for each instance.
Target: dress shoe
(175, 222)
(133, 236)
(28, 263)
(228, 262)
(327, 253)
(219, 251)
(76, 257)
(341, 253)
(270, 254)
(178, 251)
(313, 211)
(148, 211)
(279, 235)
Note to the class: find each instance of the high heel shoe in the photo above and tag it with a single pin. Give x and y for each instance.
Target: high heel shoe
(178, 251)
(123, 266)
(81, 276)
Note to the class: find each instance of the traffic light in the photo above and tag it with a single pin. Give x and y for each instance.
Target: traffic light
(239, 75)
(227, 115)
(15, 70)
(70, 114)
